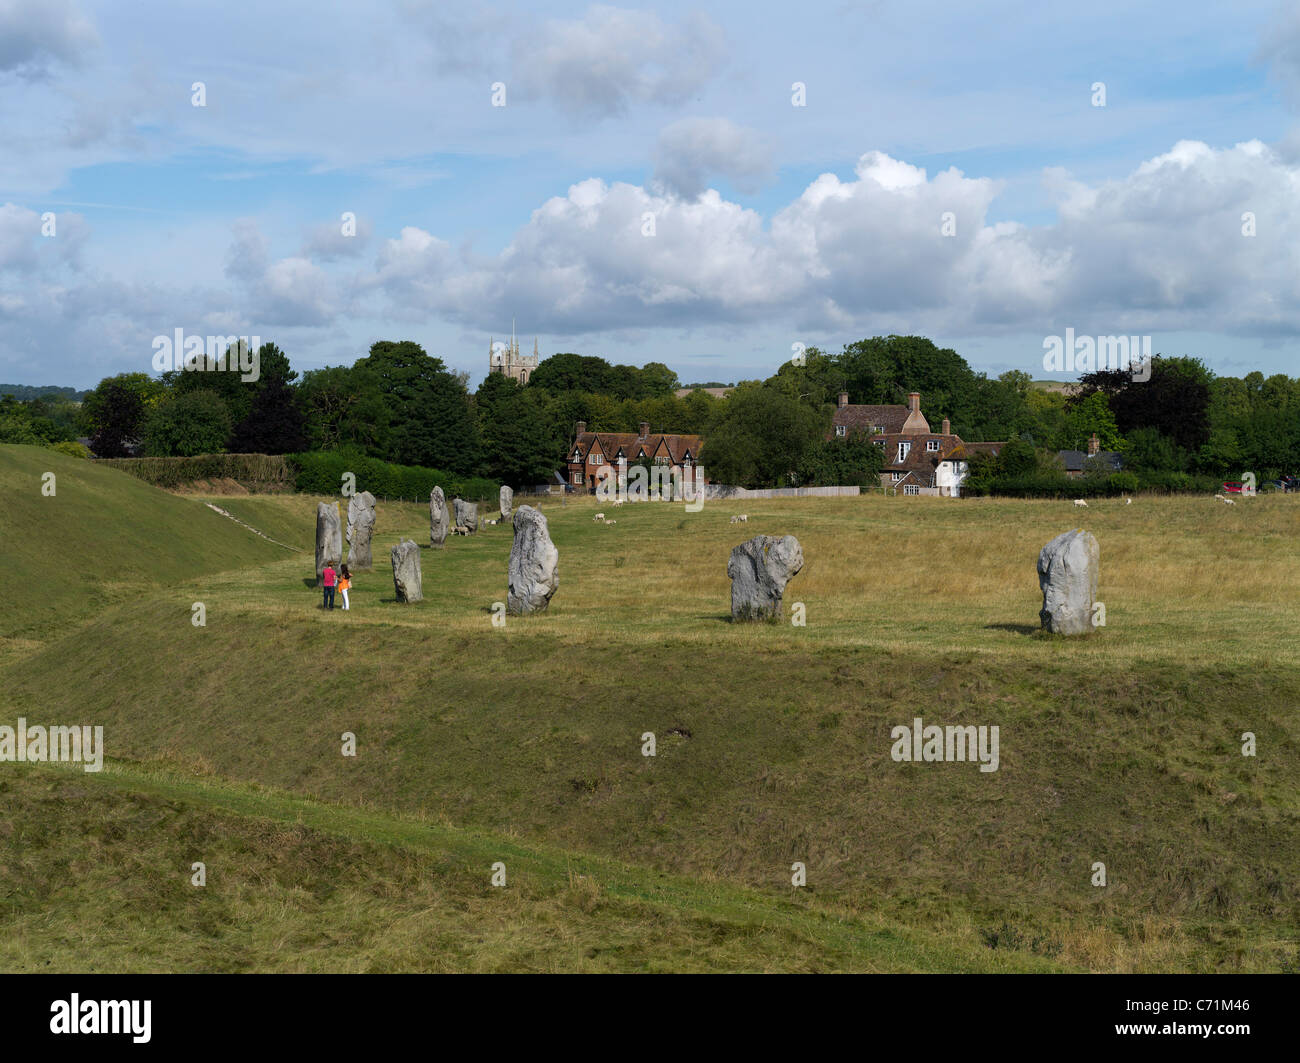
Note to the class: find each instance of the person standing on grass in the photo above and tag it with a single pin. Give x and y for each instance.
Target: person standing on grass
(327, 581)
(344, 584)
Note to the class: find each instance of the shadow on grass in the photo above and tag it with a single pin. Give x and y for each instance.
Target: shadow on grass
(1015, 629)
(310, 581)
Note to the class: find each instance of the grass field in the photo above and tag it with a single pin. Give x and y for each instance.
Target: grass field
(523, 744)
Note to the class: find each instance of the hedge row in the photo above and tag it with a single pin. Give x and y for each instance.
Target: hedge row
(1047, 485)
(272, 470)
(321, 472)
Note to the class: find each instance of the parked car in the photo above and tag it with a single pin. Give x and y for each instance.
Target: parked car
(1233, 487)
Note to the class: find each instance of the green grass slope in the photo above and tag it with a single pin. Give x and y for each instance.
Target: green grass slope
(1121, 748)
(103, 536)
(97, 877)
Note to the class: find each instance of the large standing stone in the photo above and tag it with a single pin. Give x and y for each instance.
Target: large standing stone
(329, 537)
(533, 574)
(406, 571)
(361, 523)
(759, 570)
(1067, 575)
(507, 501)
(439, 518)
(466, 514)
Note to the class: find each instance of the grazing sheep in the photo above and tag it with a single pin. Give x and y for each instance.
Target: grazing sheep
(460, 529)
(611, 523)
(1221, 498)
(619, 501)
(741, 518)
(599, 516)
(1230, 501)
(1081, 502)
(1128, 501)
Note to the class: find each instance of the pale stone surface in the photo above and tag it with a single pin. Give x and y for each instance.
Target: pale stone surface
(759, 570)
(329, 537)
(406, 571)
(466, 514)
(1067, 576)
(533, 574)
(361, 525)
(439, 518)
(507, 500)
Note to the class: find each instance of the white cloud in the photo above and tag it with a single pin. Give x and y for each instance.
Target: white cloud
(35, 33)
(690, 150)
(600, 65)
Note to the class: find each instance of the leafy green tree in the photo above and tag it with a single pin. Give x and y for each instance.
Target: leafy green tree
(432, 423)
(843, 462)
(762, 438)
(115, 411)
(1084, 418)
(275, 423)
(187, 423)
(344, 407)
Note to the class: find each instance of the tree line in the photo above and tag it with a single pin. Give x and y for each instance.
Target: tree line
(402, 405)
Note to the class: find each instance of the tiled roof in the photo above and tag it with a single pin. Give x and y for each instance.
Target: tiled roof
(867, 418)
(631, 444)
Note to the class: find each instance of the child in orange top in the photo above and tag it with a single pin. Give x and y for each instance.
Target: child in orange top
(345, 582)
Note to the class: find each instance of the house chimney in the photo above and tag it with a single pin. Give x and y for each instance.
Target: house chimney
(914, 401)
(1094, 445)
(581, 427)
(645, 429)
(844, 399)
(947, 427)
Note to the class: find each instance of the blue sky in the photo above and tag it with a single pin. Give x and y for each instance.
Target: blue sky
(773, 224)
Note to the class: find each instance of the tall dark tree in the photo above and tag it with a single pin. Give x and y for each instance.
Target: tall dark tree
(115, 413)
(275, 423)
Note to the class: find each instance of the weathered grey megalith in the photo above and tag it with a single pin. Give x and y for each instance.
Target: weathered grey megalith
(439, 518)
(361, 523)
(507, 501)
(759, 570)
(466, 514)
(329, 537)
(533, 574)
(1067, 575)
(406, 571)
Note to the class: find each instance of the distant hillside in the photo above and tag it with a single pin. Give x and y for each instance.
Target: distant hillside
(102, 536)
(24, 392)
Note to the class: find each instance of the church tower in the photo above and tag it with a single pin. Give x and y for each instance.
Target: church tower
(507, 359)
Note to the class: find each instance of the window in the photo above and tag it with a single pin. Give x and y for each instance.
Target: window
(898, 476)
(903, 449)
(911, 489)
(839, 429)
(880, 443)
(686, 462)
(879, 429)
(577, 478)
(596, 459)
(932, 445)
(577, 455)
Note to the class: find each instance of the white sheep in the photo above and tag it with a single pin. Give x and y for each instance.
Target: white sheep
(619, 501)
(1128, 501)
(740, 518)
(1229, 501)
(610, 523)
(1081, 502)
(599, 516)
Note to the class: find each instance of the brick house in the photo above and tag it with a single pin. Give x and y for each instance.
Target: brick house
(591, 451)
(918, 461)
(1076, 462)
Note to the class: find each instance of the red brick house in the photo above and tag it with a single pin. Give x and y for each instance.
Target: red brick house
(918, 461)
(592, 451)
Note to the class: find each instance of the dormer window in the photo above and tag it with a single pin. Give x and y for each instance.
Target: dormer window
(932, 445)
(879, 429)
(904, 449)
(840, 430)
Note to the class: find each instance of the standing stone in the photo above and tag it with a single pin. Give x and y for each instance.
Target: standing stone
(406, 571)
(1067, 575)
(361, 523)
(329, 537)
(533, 574)
(507, 501)
(439, 518)
(466, 514)
(759, 570)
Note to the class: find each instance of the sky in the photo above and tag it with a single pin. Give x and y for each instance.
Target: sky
(701, 185)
